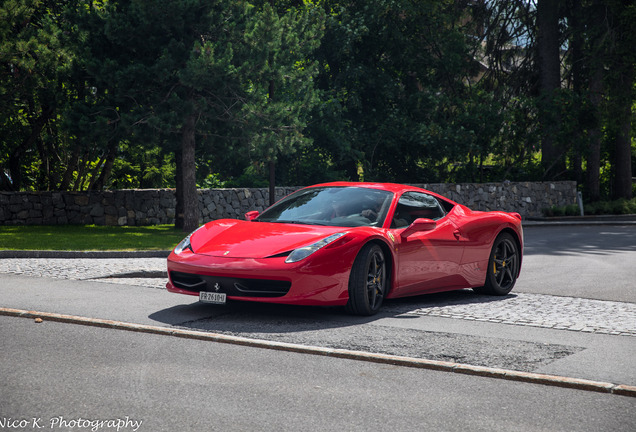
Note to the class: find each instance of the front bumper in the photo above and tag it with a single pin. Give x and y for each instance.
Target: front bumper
(270, 280)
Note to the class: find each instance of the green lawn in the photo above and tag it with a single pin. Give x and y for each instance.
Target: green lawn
(89, 237)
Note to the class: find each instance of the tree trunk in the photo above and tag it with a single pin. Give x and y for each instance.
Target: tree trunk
(596, 66)
(576, 48)
(623, 142)
(99, 182)
(594, 153)
(188, 175)
(178, 211)
(71, 166)
(45, 167)
(81, 169)
(17, 155)
(272, 164)
(272, 183)
(552, 158)
(623, 73)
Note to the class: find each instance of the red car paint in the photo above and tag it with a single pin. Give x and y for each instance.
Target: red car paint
(453, 255)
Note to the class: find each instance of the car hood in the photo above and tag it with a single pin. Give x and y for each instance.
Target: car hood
(241, 239)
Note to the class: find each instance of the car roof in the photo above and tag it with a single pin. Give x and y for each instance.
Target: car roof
(391, 187)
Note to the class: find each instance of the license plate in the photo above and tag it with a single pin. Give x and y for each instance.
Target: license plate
(212, 297)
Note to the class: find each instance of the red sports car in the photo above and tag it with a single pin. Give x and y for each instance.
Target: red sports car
(350, 244)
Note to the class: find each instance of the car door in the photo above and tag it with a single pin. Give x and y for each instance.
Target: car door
(426, 260)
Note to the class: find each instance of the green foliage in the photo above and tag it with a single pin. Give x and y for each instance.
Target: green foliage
(395, 74)
(99, 94)
(279, 80)
(36, 62)
(616, 207)
(137, 167)
(211, 181)
(251, 177)
(310, 165)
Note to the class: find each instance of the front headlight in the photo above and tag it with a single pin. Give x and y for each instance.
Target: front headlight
(304, 252)
(185, 243)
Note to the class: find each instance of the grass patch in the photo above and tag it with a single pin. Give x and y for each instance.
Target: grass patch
(89, 237)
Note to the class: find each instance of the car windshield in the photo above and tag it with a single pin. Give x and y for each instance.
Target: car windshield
(333, 206)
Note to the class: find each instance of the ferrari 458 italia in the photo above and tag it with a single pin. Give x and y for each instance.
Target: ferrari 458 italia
(352, 245)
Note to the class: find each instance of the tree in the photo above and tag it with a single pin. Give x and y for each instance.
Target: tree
(606, 66)
(595, 66)
(201, 72)
(167, 70)
(279, 79)
(622, 78)
(549, 65)
(582, 91)
(36, 63)
(122, 93)
(394, 73)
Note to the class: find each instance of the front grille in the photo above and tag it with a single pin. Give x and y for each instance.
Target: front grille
(190, 282)
(238, 287)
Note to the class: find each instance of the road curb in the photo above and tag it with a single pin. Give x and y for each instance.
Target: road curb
(511, 375)
(560, 221)
(589, 219)
(573, 223)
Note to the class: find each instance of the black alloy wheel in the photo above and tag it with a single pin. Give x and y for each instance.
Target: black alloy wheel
(503, 266)
(368, 281)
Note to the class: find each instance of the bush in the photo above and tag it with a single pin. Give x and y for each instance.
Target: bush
(589, 209)
(559, 211)
(572, 210)
(618, 207)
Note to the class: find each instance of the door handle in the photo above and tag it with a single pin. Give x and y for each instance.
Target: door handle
(458, 234)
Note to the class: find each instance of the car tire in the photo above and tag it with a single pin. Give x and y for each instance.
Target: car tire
(503, 266)
(368, 283)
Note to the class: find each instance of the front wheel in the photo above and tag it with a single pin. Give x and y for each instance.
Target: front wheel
(368, 281)
(503, 266)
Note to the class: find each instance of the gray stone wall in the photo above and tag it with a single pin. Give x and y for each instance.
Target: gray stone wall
(526, 198)
(157, 206)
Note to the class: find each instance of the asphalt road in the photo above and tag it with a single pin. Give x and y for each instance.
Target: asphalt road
(594, 261)
(52, 372)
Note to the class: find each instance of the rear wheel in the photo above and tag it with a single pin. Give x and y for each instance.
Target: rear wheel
(503, 266)
(368, 281)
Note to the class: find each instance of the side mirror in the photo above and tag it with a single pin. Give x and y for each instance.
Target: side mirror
(419, 225)
(251, 215)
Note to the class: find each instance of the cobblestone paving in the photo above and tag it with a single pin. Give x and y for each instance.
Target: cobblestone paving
(537, 310)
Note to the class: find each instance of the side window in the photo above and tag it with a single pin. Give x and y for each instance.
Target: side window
(414, 205)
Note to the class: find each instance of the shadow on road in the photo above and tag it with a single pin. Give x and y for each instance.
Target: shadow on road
(251, 317)
(333, 328)
(568, 240)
